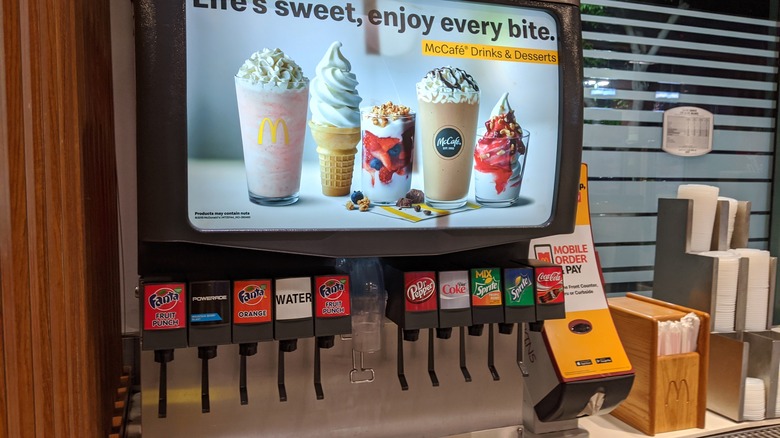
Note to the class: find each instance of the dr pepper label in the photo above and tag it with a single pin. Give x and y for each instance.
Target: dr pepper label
(420, 291)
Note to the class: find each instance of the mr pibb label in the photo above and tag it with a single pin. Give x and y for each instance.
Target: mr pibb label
(331, 296)
(252, 301)
(486, 287)
(165, 306)
(420, 291)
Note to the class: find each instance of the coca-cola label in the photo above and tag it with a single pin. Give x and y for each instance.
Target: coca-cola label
(549, 285)
(165, 306)
(252, 303)
(486, 287)
(448, 142)
(519, 287)
(420, 290)
(454, 290)
(332, 297)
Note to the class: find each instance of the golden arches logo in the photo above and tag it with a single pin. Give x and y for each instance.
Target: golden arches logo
(274, 128)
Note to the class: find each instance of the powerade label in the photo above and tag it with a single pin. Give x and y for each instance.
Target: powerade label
(448, 142)
(420, 291)
(209, 302)
(519, 287)
(549, 285)
(293, 298)
(252, 301)
(486, 287)
(454, 290)
(165, 306)
(331, 297)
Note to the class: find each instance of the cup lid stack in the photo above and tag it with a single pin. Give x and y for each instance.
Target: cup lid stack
(726, 290)
(755, 399)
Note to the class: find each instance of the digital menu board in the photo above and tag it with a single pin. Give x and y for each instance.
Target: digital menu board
(442, 114)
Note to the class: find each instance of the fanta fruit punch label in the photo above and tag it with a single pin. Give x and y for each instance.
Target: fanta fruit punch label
(165, 306)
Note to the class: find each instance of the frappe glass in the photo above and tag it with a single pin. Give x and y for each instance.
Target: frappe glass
(499, 164)
(387, 133)
(273, 127)
(448, 106)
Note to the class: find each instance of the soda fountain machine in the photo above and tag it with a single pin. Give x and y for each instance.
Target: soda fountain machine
(318, 182)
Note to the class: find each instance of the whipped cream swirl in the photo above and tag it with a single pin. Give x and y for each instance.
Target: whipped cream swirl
(448, 85)
(272, 67)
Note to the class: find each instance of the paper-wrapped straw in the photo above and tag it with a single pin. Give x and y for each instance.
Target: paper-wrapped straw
(705, 202)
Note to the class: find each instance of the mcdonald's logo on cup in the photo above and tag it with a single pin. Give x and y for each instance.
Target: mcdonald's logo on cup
(274, 128)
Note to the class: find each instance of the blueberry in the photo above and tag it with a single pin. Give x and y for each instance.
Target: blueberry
(395, 150)
(356, 196)
(376, 163)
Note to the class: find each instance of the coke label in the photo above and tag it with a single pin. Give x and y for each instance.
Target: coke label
(549, 285)
(420, 288)
(454, 290)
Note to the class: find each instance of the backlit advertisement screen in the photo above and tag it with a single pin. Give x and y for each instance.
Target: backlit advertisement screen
(442, 114)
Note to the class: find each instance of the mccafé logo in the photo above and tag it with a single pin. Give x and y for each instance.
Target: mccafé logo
(274, 129)
(448, 142)
(421, 290)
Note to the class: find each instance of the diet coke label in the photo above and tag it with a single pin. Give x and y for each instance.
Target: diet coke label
(454, 290)
(549, 285)
(420, 288)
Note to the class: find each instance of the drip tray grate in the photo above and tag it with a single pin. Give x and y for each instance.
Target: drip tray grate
(758, 432)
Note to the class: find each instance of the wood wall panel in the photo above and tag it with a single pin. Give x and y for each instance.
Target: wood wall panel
(60, 334)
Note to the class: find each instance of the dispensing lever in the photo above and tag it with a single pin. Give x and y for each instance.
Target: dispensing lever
(205, 354)
(491, 354)
(361, 369)
(463, 369)
(431, 365)
(317, 374)
(521, 349)
(163, 357)
(244, 350)
(280, 376)
(401, 375)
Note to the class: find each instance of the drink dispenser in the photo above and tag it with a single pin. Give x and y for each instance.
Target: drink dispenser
(210, 326)
(252, 322)
(369, 300)
(164, 311)
(293, 319)
(331, 316)
(486, 308)
(455, 310)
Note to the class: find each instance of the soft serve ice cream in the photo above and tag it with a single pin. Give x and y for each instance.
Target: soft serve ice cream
(448, 100)
(499, 157)
(335, 120)
(272, 93)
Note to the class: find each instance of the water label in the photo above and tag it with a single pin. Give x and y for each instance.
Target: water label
(252, 301)
(486, 287)
(549, 285)
(293, 298)
(454, 290)
(165, 307)
(448, 142)
(331, 299)
(519, 287)
(420, 291)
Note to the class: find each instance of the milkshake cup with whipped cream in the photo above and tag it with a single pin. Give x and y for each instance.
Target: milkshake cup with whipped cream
(499, 157)
(388, 149)
(335, 120)
(272, 95)
(448, 106)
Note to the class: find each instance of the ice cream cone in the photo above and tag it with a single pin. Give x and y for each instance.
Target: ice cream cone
(337, 148)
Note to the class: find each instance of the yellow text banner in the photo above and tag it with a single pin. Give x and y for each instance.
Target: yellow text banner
(493, 53)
